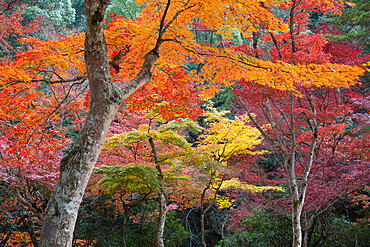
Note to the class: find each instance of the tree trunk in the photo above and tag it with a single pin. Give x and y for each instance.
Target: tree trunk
(31, 232)
(159, 241)
(298, 197)
(75, 171)
(203, 210)
(77, 165)
(202, 227)
(296, 223)
(310, 227)
(296, 204)
(123, 227)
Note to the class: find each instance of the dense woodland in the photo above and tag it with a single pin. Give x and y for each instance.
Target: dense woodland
(184, 123)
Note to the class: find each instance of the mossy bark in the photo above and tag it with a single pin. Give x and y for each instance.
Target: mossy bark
(76, 167)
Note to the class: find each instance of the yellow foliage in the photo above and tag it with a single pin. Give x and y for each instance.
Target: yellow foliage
(229, 137)
(224, 202)
(235, 183)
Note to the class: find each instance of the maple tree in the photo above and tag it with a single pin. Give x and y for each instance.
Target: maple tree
(166, 148)
(155, 47)
(32, 127)
(334, 173)
(341, 124)
(12, 28)
(223, 140)
(299, 119)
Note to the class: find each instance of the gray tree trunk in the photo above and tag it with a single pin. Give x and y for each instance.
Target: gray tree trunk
(296, 217)
(77, 165)
(159, 241)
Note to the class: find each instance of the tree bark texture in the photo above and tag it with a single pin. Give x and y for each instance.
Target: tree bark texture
(76, 167)
(159, 241)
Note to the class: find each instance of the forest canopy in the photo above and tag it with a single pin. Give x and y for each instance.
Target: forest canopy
(184, 123)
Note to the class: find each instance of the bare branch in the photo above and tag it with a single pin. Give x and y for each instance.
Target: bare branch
(276, 45)
(254, 121)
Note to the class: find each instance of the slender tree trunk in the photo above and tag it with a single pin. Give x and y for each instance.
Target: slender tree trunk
(123, 227)
(31, 232)
(310, 226)
(298, 197)
(296, 223)
(289, 151)
(203, 212)
(296, 203)
(202, 227)
(159, 241)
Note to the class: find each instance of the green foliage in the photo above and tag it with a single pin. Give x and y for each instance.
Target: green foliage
(166, 134)
(262, 229)
(180, 125)
(175, 233)
(171, 148)
(59, 12)
(354, 23)
(131, 177)
(96, 223)
(98, 226)
(124, 139)
(171, 138)
(338, 231)
(141, 232)
(224, 99)
(126, 8)
(80, 19)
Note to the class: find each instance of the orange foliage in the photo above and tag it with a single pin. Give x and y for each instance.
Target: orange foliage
(27, 109)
